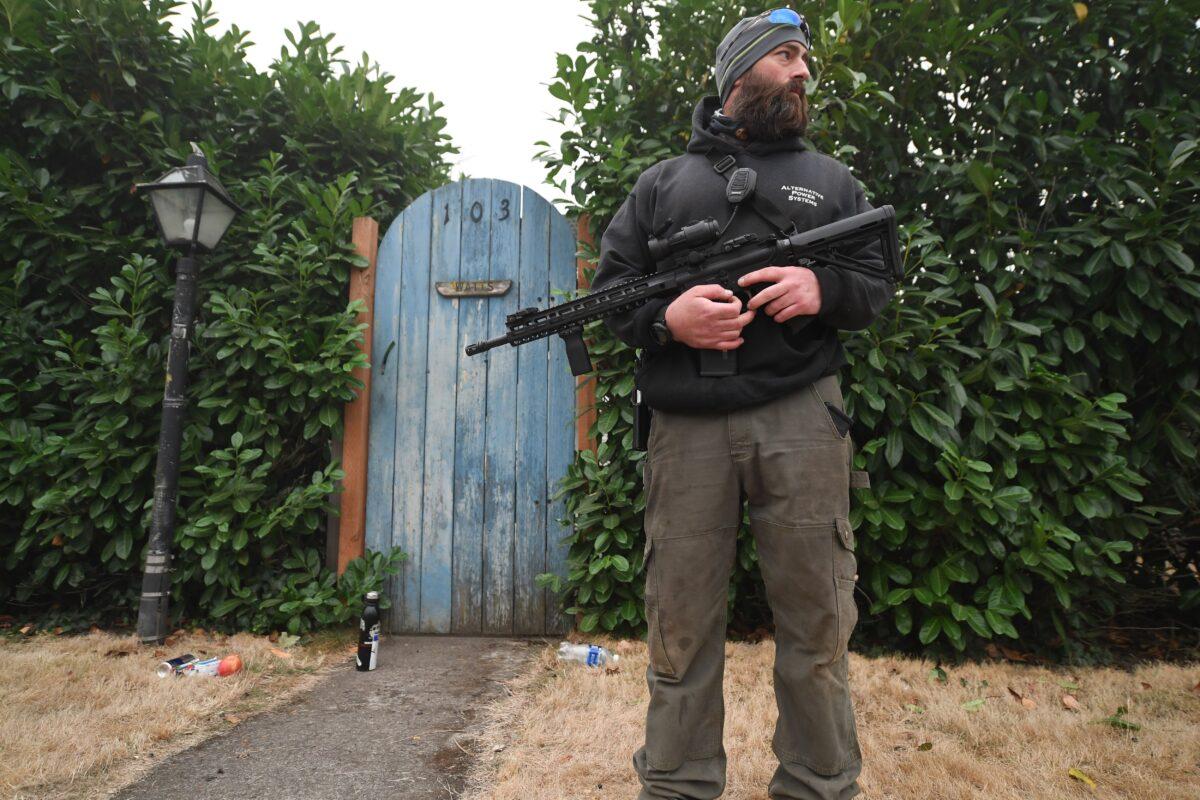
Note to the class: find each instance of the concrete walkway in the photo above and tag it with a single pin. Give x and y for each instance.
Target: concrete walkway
(391, 733)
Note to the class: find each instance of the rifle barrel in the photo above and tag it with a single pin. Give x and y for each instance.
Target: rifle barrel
(481, 347)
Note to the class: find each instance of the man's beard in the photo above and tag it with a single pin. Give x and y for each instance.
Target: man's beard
(768, 111)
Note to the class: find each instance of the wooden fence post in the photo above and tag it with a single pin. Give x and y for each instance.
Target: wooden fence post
(585, 385)
(352, 531)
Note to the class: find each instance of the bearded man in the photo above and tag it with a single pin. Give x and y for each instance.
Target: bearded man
(774, 436)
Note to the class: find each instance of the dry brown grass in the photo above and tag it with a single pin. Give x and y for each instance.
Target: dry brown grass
(81, 716)
(565, 731)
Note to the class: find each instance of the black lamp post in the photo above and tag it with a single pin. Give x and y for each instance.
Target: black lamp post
(193, 211)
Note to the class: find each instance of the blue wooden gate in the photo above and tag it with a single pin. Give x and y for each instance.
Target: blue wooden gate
(464, 450)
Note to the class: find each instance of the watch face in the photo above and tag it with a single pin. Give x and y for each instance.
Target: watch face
(660, 332)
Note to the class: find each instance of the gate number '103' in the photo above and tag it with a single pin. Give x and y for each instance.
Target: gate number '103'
(476, 212)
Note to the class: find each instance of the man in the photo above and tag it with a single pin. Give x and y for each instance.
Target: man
(775, 434)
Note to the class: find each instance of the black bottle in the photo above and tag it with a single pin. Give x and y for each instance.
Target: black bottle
(368, 634)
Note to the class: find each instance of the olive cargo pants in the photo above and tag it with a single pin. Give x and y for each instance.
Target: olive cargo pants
(791, 463)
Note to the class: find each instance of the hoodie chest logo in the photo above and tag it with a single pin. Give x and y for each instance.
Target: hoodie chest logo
(802, 194)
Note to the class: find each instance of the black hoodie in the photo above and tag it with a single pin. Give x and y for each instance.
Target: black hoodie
(810, 188)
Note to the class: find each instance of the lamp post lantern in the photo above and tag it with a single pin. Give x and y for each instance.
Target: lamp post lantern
(193, 211)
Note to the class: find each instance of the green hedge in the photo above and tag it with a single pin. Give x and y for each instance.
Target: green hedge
(1027, 407)
(95, 96)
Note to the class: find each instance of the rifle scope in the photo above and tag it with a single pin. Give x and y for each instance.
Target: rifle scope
(696, 234)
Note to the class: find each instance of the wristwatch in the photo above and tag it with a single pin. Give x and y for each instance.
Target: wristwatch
(658, 328)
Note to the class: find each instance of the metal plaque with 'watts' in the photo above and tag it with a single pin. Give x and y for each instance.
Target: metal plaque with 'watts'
(472, 288)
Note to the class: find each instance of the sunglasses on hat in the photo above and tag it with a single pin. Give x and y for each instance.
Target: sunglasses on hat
(786, 16)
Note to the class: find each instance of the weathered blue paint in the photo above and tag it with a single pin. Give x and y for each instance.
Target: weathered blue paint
(411, 359)
(384, 340)
(529, 601)
(465, 451)
(437, 519)
(470, 404)
(560, 416)
(500, 444)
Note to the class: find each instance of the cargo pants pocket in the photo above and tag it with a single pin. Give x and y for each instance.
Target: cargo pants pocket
(845, 577)
(654, 640)
(840, 423)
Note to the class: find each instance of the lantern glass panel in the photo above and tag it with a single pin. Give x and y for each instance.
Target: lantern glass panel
(176, 209)
(214, 220)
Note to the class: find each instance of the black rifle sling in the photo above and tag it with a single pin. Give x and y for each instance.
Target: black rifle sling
(762, 205)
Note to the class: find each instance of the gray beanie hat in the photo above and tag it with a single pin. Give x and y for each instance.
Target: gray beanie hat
(751, 39)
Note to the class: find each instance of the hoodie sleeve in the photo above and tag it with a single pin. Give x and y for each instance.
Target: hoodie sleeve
(624, 255)
(851, 300)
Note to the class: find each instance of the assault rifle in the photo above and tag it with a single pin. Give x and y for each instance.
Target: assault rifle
(685, 262)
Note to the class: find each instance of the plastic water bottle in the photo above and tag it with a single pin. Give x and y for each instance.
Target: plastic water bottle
(592, 655)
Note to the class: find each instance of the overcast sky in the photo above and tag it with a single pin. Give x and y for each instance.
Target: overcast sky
(489, 64)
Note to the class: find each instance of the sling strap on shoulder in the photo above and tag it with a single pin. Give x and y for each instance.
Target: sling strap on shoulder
(770, 212)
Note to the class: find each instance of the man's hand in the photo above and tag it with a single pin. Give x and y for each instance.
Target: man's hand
(708, 317)
(794, 291)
